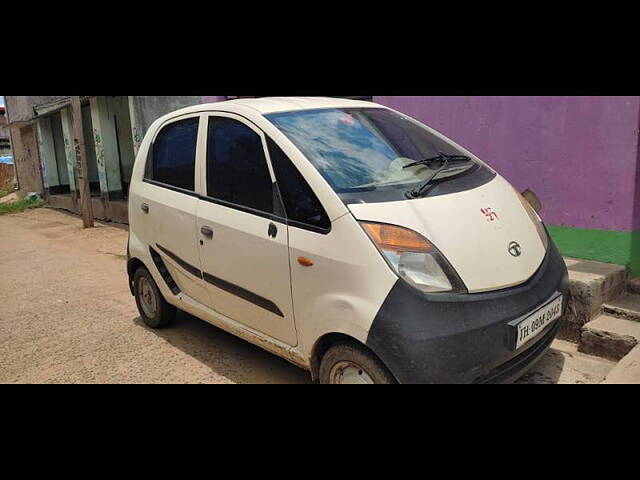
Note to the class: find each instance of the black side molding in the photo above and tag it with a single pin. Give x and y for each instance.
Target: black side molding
(242, 293)
(186, 266)
(162, 268)
(218, 282)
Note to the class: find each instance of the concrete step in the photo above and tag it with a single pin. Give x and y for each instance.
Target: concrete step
(626, 370)
(633, 285)
(590, 284)
(609, 337)
(625, 306)
(563, 364)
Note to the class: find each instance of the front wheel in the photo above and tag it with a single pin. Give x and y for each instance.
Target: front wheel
(351, 364)
(153, 308)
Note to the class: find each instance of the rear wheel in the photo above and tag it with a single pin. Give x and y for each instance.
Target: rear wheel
(352, 364)
(153, 308)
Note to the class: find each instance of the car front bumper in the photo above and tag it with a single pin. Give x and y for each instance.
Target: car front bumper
(464, 338)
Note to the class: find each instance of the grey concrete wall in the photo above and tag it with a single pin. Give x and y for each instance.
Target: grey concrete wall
(119, 106)
(25, 156)
(90, 146)
(148, 109)
(20, 108)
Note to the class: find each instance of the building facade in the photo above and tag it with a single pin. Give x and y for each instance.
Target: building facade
(113, 127)
(579, 155)
(7, 171)
(5, 141)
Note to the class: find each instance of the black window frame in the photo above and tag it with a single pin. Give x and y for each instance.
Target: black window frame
(278, 214)
(297, 223)
(147, 177)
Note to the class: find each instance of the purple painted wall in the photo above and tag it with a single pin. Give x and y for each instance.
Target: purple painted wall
(213, 99)
(578, 154)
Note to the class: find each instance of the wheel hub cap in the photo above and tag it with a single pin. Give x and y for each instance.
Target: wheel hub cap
(349, 373)
(147, 298)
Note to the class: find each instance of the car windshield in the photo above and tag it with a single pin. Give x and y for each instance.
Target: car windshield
(359, 149)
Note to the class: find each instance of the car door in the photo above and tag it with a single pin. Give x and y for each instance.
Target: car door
(165, 203)
(244, 253)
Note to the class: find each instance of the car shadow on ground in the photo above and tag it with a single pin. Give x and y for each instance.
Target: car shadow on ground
(242, 362)
(547, 370)
(227, 355)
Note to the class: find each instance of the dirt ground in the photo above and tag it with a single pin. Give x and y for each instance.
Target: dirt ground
(67, 316)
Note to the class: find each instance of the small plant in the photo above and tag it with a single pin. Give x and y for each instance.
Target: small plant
(20, 205)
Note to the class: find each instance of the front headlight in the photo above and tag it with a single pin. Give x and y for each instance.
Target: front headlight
(414, 258)
(535, 218)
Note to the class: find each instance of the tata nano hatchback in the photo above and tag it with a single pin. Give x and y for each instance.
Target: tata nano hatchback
(344, 236)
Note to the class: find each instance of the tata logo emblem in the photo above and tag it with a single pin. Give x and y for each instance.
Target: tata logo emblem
(514, 249)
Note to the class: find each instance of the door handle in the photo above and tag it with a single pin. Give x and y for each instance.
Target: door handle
(273, 230)
(206, 231)
(145, 207)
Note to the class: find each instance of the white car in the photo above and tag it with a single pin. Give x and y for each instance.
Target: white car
(345, 237)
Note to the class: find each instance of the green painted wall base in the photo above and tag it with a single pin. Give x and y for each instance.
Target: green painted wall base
(607, 246)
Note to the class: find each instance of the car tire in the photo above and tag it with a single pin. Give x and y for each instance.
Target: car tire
(351, 363)
(153, 308)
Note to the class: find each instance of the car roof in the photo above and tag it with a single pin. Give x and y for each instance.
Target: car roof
(266, 105)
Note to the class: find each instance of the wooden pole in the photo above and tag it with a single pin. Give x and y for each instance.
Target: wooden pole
(81, 163)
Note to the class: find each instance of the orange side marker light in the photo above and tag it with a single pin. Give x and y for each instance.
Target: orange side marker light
(305, 262)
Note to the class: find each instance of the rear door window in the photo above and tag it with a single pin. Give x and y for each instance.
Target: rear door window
(173, 158)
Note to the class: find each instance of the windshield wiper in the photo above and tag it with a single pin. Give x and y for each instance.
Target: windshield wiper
(424, 188)
(441, 156)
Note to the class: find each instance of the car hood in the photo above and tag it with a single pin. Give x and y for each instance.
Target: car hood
(473, 229)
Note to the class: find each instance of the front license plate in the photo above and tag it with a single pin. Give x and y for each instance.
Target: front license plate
(526, 328)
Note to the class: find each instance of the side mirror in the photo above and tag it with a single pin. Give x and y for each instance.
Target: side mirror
(533, 200)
